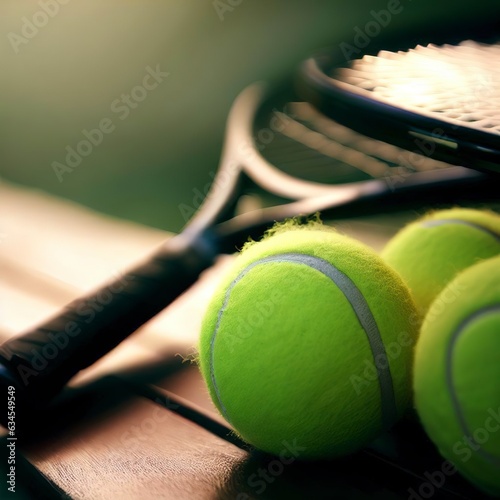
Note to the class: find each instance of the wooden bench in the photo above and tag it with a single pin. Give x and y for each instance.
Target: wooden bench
(139, 423)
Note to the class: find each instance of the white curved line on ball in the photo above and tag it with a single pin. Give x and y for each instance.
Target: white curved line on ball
(361, 310)
(462, 327)
(442, 222)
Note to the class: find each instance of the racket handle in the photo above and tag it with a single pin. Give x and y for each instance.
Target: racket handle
(40, 362)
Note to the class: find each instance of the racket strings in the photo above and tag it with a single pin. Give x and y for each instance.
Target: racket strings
(460, 83)
(331, 148)
(312, 146)
(390, 155)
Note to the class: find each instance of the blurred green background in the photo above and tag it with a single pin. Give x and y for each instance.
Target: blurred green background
(67, 75)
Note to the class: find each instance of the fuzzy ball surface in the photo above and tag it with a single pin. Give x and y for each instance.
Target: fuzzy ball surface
(430, 252)
(457, 374)
(309, 340)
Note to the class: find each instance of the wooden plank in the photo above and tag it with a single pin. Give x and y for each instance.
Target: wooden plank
(114, 445)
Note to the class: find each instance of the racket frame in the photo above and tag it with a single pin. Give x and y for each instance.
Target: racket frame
(424, 133)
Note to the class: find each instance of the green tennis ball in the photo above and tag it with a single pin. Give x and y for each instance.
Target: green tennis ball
(457, 374)
(308, 342)
(430, 252)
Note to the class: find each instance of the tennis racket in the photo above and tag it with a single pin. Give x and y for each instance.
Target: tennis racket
(300, 161)
(440, 100)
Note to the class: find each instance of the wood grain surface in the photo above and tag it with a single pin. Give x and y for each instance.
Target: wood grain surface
(139, 424)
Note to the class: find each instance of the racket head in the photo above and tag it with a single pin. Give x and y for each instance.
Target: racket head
(294, 161)
(386, 94)
(265, 152)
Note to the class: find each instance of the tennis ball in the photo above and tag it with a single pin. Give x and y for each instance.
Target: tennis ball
(308, 343)
(457, 374)
(430, 252)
